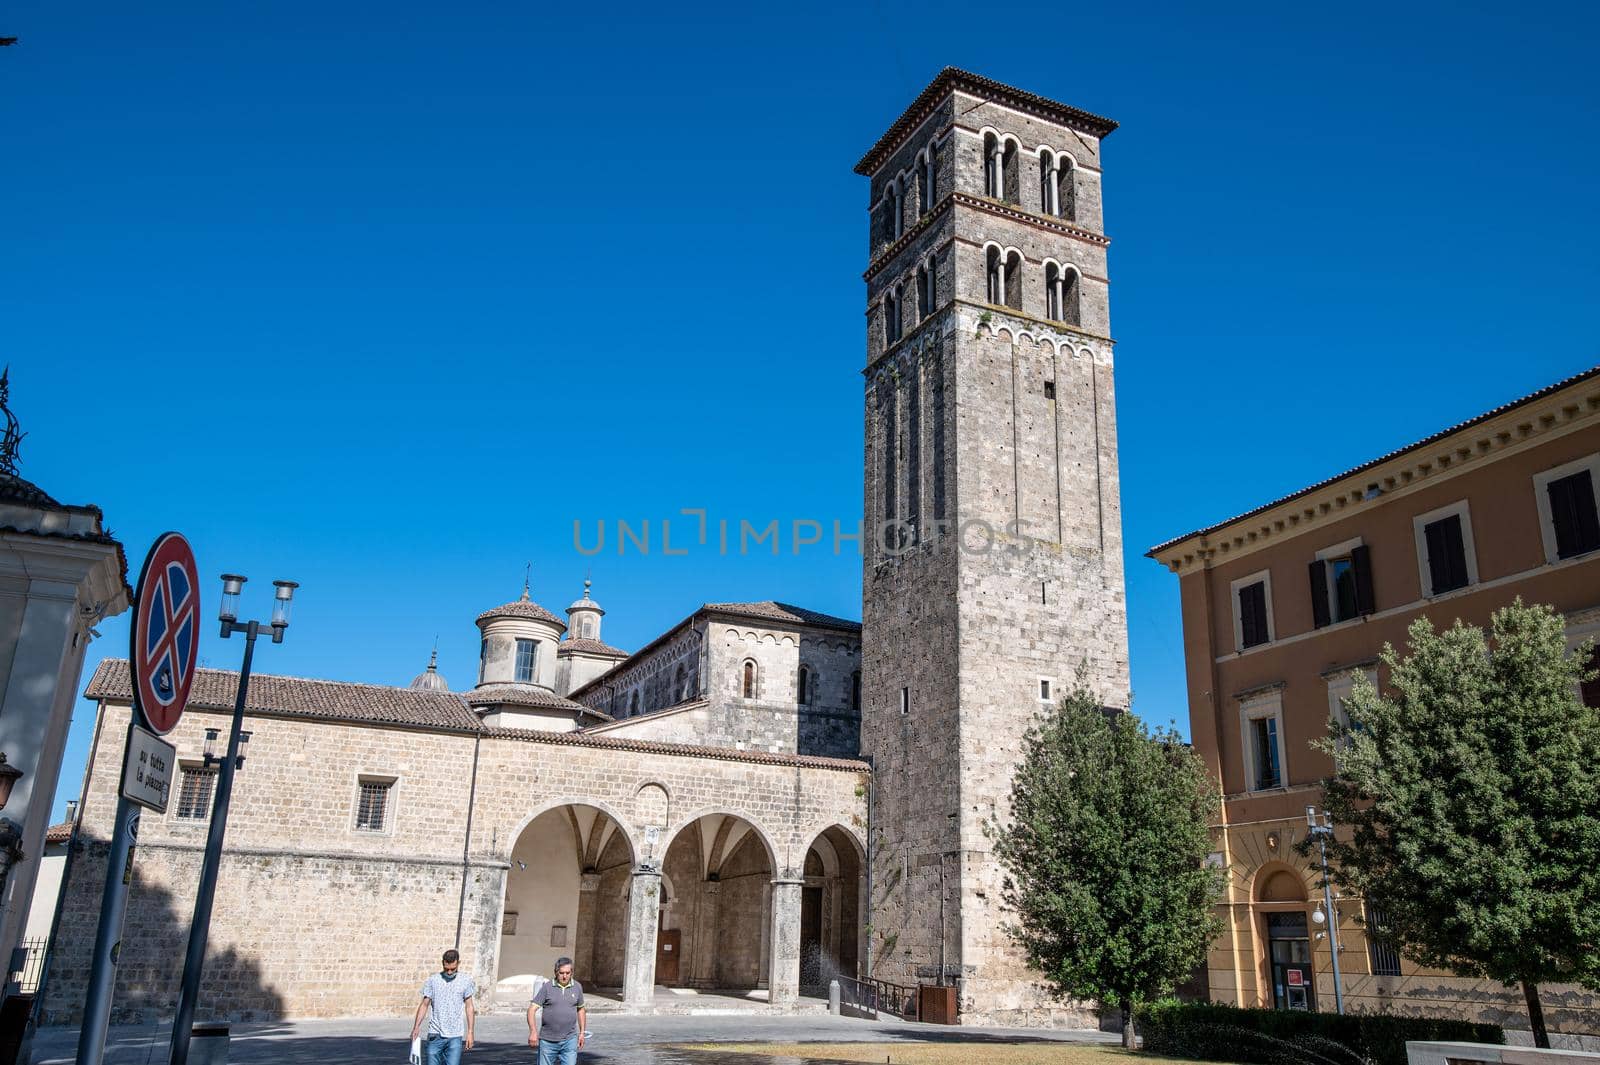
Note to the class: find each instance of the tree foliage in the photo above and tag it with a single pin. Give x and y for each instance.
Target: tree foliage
(1105, 856)
(1472, 792)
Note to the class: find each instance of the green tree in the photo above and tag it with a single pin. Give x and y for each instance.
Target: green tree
(1472, 793)
(1105, 856)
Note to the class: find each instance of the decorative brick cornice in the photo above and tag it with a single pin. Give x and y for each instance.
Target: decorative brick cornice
(1010, 211)
(1559, 408)
(952, 80)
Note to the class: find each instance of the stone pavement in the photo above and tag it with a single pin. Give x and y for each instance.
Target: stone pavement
(502, 1040)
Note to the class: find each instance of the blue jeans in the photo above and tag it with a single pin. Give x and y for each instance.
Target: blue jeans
(559, 1051)
(444, 1051)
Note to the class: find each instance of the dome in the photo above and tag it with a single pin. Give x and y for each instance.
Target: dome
(586, 603)
(522, 608)
(430, 680)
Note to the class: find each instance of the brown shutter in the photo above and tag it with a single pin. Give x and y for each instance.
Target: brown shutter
(1319, 593)
(1361, 562)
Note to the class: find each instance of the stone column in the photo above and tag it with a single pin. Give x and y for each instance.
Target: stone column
(783, 985)
(639, 958)
(582, 945)
(707, 914)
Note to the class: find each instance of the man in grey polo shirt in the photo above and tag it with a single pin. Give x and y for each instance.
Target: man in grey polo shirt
(556, 1018)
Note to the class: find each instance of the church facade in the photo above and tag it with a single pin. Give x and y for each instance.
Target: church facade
(764, 795)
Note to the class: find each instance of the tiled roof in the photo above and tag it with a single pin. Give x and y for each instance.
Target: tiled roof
(522, 608)
(58, 833)
(216, 689)
(589, 647)
(727, 754)
(769, 610)
(14, 489)
(525, 695)
(951, 79)
(1426, 441)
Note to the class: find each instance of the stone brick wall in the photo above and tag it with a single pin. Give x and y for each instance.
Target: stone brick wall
(969, 624)
(316, 918)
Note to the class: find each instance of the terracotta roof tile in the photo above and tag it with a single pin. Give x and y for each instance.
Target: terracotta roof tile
(58, 833)
(522, 608)
(727, 754)
(770, 610)
(525, 695)
(216, 689)
(589, 647)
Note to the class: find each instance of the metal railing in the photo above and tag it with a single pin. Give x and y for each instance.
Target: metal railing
(32, 970)
(878, 996)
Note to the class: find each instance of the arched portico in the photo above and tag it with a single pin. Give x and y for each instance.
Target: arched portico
(566, 895)
(714, 930)
(830, 909)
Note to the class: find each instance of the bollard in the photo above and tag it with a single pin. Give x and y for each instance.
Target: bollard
(833, 997)
(208, 1044)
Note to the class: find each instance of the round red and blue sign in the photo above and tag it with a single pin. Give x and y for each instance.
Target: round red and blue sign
(166, 632)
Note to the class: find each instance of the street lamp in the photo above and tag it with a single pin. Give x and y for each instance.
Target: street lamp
(1320, 828)
(200, 928)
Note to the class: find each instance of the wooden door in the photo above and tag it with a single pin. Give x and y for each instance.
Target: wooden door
(669, 948)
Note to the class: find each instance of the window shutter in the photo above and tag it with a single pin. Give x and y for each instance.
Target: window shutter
(1572, 512)
(1253, 614)
(1361, 562)
(1319, 593)
(1455, 546)
(1447, 555)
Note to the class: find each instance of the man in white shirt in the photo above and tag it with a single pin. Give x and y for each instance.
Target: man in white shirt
(447, 1003)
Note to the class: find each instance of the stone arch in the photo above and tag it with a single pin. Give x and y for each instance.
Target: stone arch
(723, 864)
(1279, 882)
(756, 829)
(833, 875)
(554, 900)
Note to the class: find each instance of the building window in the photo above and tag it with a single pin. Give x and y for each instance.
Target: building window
(1570, 523)
(1340, 685)
(527, 660)
(855, 691)
(1341, 583)
(905, 700)
(1055, 184)
(802, 686)
(1252, 610)
(1385, 959)
(1044, 689)
(1262, 718)
(1061, 288)
(1004, 277)
(748, 684)
(929, 182)
(1445, 556)
(194, 792)
(891, 316)
(992, 178)
(588, 628)
(925, 294)
(483, 658)
(372, 804)
(897, 212)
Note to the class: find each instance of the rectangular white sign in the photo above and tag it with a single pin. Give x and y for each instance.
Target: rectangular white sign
(147, 769)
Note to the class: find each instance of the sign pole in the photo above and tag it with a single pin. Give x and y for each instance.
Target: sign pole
(108, 936)
(200, 928)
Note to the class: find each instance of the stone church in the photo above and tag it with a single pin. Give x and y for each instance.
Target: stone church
(764, 795)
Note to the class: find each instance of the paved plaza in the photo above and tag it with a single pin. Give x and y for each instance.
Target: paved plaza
(502, 1039)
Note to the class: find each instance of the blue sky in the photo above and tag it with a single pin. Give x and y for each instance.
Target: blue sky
(384, 297)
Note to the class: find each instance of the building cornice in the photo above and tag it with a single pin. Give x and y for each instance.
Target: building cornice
(1563, 408)
(995, 208)
(952, 80)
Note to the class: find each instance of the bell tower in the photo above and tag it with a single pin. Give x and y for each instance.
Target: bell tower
(993, 547)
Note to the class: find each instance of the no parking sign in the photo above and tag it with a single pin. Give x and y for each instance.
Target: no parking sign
(166, 632)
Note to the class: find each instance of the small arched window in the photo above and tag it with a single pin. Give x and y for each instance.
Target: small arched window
(802, 687)
(747, 687)
(897, 210)
(891, 315)
(928, 183)
(855, 691)
(1010, 186)
(925, 282)
(1005, 278)
(1061, 295)
(588, 628)
(1056, 184)
(993, 180)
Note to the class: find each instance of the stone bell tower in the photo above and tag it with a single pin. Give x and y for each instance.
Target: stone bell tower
(993, 550)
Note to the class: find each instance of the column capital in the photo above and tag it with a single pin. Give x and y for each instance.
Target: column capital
(646, 869)
(780, 881)
(589, 882)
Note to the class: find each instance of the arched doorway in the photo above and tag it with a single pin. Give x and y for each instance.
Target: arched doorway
(566, 895)
(714, 925)
(830, 910)
(1280, 898)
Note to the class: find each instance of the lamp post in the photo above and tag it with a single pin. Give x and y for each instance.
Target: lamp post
(200, 927)
(1320, 829)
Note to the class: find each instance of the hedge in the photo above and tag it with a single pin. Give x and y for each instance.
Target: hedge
(1211, 1032)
